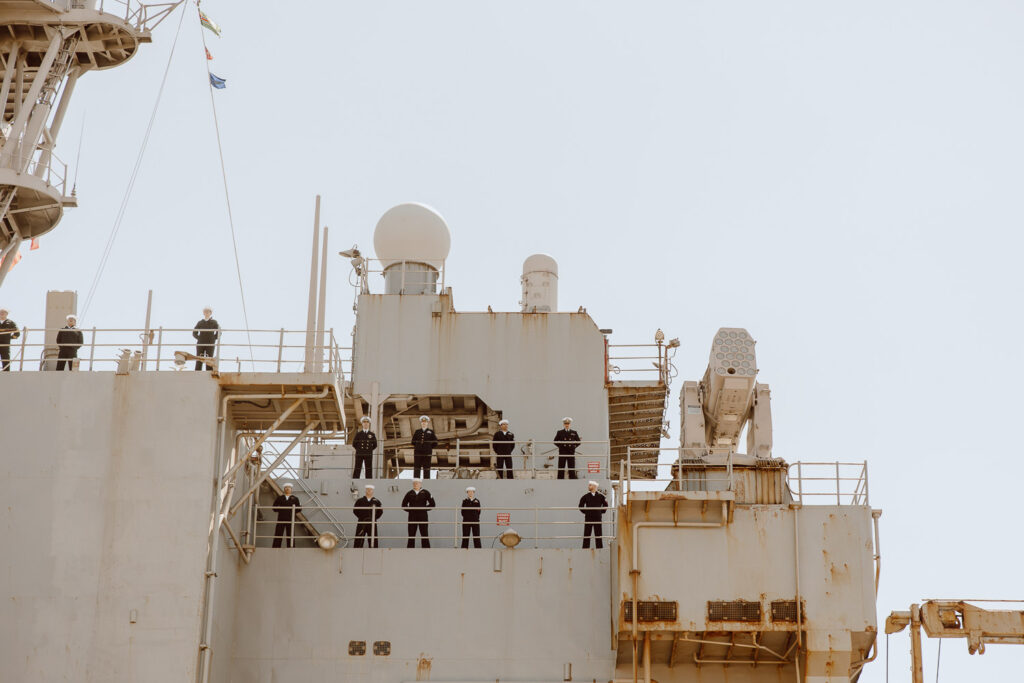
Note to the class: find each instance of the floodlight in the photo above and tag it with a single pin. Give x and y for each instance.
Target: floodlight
(327, 541)
(510, 539)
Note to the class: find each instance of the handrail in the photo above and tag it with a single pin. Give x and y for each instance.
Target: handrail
(277, 350)
(684, 459)
(828, 483)
(449, 519)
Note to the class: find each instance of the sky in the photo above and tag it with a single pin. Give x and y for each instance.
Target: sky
(840, 179)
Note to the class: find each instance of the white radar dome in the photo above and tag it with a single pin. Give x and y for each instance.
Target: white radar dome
(540, 263)
(412, 232)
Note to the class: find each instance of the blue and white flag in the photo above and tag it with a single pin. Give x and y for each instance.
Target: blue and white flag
(218, 82)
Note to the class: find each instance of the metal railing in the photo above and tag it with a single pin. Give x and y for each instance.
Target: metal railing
(638, 362)
(49, 168)
(401, 276)
(162, 348)
(134, 12)
(828, 483)
(468, 458)
(536, 526)
(686, 469)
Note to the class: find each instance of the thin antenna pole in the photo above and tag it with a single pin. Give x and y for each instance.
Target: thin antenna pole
(78, 156)
(311, 316)
(321, 308)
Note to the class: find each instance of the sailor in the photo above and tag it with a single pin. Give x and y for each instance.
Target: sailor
(417, 502)
(287, 507)
(206, 333)
(470, 518)
(69, 340)
(593, 505)
(8, 331)
(567, 439)
(503, 444)
(423, 443)
(367, 516)
(365, 444)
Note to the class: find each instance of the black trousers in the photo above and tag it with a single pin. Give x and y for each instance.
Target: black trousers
(504, 467)
(5, 357)
(424, 538)
(567, 463)
(471, 529)
(365, 530)
(421, 463)
(65, 361)
(361, 461)
(204, 350)
(283, 530)
(592, 528)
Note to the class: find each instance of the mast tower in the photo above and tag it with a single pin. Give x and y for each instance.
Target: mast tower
(45, 47)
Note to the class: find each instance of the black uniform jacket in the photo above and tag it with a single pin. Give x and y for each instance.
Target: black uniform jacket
(416, 503)
(424, 441)
(287, 507)
(502, 442)
(69, 340)
(567, 441)
(365, 442)
(8, 331)
(363, 509)
(206, 332)
(470, 510)
(593, 506)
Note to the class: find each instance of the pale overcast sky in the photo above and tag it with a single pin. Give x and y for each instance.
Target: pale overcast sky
(843, 179)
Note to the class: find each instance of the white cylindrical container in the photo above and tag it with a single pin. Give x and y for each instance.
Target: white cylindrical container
(540, 284)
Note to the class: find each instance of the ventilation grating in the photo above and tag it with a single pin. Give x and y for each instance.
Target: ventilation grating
(382, 648)
(357, 648)
(734, 610)
(784, 610)
(650, 610)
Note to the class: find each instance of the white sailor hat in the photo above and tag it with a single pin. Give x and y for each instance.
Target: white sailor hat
(470, 488)
(287, 486)
(566, 419)
(71, 316)
(208, 307)
(502, 422)
(370, 486)
(415, 479)
(424, 417)
(591, 483)
(364, 419)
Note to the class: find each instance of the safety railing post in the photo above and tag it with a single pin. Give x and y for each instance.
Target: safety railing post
(402, 290)
(24, 340)
(536, 527)
(838, 496)
(280, 349)
(867, 499)
(159, 345)
(800, 481)
(92, 348)
(458, 453)
(455, 527)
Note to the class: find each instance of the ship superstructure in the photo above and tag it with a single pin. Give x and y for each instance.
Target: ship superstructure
(716, 564)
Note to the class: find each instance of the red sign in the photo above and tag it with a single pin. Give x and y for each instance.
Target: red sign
(504, 518)
(593, 467)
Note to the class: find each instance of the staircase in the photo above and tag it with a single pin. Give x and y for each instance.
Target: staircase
(636, 417)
